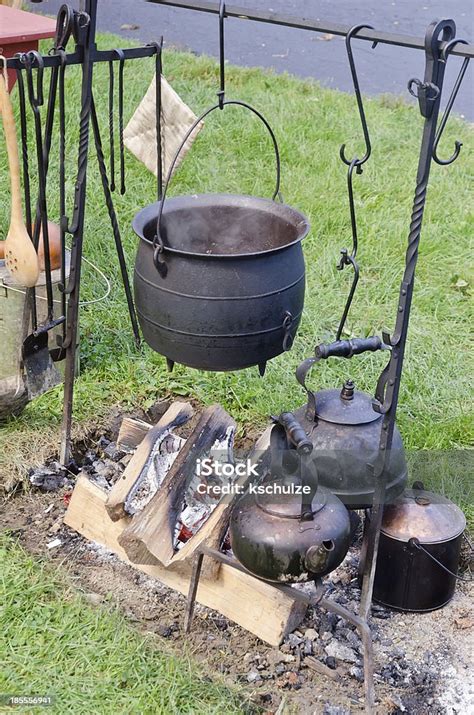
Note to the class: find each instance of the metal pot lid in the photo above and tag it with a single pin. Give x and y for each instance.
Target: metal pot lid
(345, 407)
(428, 517)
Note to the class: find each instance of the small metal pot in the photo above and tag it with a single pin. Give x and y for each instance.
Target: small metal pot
(419, 549)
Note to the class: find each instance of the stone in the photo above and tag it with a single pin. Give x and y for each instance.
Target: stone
(335, 710)
(328, 623)
(113, 452)
(293, 640)
(164, 631)
(311, 634)
(357, 673)
(340, 651)
(353, 639)
(253, 676)
(94, 598)
(49, 478)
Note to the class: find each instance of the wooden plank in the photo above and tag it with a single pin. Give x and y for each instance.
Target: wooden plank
(150, 536)
(267, 611)
(131, 433)
(177, 414)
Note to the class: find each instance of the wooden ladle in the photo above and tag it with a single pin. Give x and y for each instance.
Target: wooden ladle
(21, 259)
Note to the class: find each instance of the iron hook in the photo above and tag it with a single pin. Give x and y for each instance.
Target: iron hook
(121, 57)
(221, 92)
(457, 144)
(346, 258)
(64, 27)
(28, 59)
(158, 72)
(368, 147)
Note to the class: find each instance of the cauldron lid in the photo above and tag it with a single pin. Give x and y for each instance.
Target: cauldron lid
(332, 407)
(419, 514)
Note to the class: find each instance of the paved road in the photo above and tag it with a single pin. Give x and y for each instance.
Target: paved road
(385, 69)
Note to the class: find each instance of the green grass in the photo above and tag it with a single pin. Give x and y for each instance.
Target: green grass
(234, 154)
(88, 659)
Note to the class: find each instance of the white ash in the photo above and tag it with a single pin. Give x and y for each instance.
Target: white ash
(198, 505)
(50, 477)
(161, 459)
(54, 544)
(226, 444)
(457, 691)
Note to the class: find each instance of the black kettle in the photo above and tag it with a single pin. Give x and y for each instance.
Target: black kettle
(286, 528)
(344, 427)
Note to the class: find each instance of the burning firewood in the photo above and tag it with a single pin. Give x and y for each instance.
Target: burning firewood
(151, 536)
(136, 475)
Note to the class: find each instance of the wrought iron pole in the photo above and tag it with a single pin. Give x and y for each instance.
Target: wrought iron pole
(429, 96)
(85, 44)
(302, 23)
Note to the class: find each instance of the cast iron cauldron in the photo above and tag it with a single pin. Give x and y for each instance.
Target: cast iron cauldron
(234, 288)
(220, 278)
(419, 525)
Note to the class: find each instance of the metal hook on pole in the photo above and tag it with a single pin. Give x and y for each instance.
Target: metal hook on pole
(368, 148)
(221, 92)
(355, 164)
(457, 144)
(28, 59)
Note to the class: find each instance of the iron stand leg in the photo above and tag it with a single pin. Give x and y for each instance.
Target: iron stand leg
(193, 587)
(85, 39)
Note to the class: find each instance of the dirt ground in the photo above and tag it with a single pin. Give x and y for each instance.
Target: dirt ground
(423, 661)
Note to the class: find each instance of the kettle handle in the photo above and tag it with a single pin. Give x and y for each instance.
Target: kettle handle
(295, 433)
(158, 241)
(340, 348)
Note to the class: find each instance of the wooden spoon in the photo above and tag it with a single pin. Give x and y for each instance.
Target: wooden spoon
(20, 255)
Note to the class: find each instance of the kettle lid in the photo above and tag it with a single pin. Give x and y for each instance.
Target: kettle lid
(345, 407)
(419, 514)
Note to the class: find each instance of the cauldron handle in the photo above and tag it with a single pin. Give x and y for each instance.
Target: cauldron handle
(158, 244)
